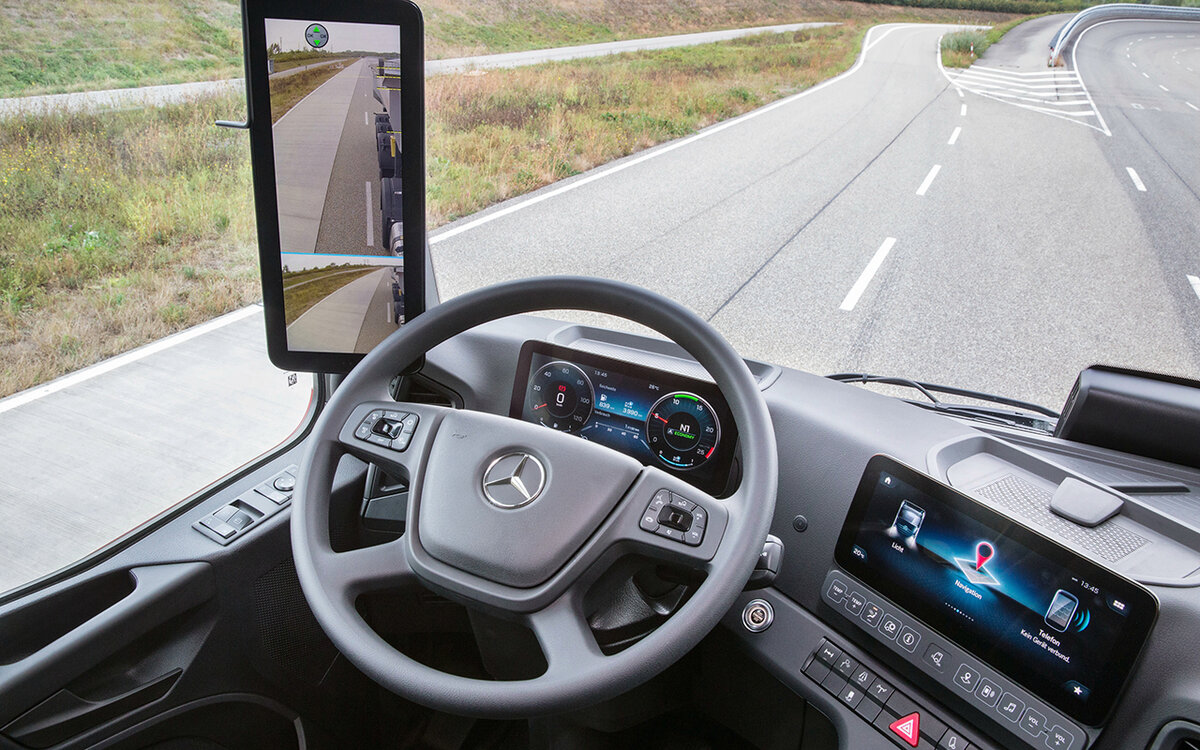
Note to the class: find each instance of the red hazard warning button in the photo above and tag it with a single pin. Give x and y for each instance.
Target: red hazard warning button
(907, 728)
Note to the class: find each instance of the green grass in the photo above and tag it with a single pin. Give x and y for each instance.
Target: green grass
(117, 229)
(77, 45)
(503, 133)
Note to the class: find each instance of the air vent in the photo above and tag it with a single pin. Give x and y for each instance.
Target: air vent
(1178, 735)
(419, 389)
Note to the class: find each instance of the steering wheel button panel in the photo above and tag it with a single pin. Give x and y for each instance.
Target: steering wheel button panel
(682, 502)
(674, 517)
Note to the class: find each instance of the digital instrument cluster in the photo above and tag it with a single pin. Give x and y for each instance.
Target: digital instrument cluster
(679, 424)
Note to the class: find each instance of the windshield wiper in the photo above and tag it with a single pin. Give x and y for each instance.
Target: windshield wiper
(1041, 418)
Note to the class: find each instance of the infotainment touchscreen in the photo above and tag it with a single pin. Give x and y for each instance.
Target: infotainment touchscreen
(1059, 624)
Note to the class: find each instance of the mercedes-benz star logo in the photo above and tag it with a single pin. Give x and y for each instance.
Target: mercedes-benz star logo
(514, 480)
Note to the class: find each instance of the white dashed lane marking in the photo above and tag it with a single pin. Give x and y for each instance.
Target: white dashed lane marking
(864, 279)
(929, 179)
(1137, 181)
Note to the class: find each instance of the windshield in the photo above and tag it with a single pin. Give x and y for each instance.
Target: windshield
(981, 227)
(913, 192)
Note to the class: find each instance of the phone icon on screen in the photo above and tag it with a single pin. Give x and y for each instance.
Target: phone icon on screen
(1062, 609)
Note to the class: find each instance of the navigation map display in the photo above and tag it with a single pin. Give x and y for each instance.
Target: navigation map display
(1062, 626)
(335, 101)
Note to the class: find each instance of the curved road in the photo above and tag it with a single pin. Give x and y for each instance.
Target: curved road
(359, 313)
(890, 221)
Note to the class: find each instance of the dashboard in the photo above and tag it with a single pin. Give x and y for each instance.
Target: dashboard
(678, 423)
(869, 635)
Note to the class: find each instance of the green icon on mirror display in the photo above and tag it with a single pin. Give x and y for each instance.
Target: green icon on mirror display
(316, 36)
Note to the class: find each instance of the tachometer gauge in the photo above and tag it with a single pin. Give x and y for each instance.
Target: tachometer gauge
(559, 396)
(682, 430)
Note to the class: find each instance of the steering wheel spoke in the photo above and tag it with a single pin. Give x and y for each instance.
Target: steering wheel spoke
(564, 634)
(368, 569)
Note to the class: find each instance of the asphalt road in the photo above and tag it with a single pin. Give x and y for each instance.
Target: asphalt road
(351, 221)
(892, 221)
(359, 313)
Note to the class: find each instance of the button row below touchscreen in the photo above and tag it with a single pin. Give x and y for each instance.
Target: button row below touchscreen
(897, 716)
(1035, 726)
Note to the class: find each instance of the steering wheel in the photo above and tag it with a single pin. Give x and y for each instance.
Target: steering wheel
(519, 520)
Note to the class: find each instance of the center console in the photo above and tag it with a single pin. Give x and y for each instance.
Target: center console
(1035, 641)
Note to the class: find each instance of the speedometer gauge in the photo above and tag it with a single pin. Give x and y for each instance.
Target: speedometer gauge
(682, 430)
(559, 396)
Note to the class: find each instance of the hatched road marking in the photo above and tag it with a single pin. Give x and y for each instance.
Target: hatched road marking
(1058, 93)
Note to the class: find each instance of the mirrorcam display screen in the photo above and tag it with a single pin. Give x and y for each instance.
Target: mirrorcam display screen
(335, 113)
(1059, 624)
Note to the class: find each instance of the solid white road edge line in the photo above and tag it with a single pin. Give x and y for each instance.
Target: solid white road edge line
(868, 273)
(108, 365)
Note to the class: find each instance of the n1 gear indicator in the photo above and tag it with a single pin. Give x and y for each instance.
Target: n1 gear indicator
(683, 430)
(560, 396)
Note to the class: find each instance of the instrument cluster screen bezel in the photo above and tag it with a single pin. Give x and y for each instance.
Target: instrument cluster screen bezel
(624, 396)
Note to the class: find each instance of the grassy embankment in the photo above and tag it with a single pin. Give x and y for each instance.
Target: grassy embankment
(962, 48)
(119, 228)
(76, 45)
(304, 289)
(287, 91)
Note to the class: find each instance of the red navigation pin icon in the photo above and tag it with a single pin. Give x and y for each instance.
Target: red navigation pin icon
(983, 553)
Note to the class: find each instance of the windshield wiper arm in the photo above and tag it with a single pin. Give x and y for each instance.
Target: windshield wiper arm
(1000, 416)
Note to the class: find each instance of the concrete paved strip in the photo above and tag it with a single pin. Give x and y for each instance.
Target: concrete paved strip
(532, 57)
(339, 318)
(144, 96)
(150, 96)
(306, 144)
(124, 440)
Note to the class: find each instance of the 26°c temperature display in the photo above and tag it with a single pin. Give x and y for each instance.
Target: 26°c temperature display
(682, 430)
